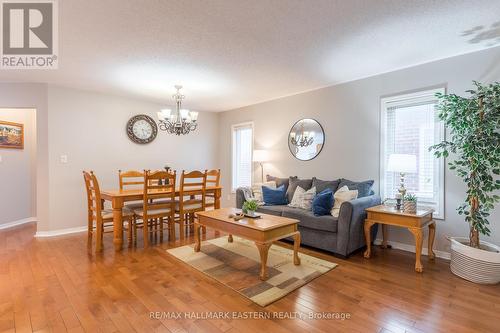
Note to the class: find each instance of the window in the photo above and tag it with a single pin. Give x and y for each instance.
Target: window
(242, 145)
(410, 125)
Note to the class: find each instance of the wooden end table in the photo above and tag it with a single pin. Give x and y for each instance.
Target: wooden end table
(263, 231)
(415, 223)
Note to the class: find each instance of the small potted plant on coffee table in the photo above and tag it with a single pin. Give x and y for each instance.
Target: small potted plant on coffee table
(249, 208)
(410, 203)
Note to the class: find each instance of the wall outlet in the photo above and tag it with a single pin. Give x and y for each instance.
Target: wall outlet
(64, 159)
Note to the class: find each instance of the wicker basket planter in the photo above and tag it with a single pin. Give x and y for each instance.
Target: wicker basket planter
(475, 265)
(410, 207)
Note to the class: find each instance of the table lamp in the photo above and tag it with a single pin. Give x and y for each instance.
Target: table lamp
(402, 163)
(261, 156)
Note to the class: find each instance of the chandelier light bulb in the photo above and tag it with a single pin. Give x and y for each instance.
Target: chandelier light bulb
(184, 114)
(193, 115)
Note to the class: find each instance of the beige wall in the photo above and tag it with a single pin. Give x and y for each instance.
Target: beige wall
(90, 129)
(18, 170)
(349, 114)
(33, 95)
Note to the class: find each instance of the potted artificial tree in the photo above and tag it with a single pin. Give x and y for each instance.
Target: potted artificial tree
(473, 123)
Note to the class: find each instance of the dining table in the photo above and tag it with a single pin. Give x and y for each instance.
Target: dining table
(118, 198)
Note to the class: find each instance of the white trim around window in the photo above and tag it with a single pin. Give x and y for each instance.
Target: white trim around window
(236, 157)
(422, 131)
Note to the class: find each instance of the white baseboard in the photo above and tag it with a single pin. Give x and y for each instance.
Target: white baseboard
(59, 232)
(16, 223)
(411, 248)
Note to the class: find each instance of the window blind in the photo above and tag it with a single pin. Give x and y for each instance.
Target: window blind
(242, 143)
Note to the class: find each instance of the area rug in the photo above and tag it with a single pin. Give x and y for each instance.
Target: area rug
(237, 265)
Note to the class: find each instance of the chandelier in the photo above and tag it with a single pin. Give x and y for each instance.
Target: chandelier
(180, 121)
(303, 139)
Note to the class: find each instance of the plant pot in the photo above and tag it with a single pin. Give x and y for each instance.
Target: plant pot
(475, 265)
(251, 213)
(410, 207)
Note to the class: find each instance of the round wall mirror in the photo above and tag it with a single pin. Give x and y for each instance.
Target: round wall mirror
(306, 139)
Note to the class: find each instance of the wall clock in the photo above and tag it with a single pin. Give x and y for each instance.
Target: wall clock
(142, 129)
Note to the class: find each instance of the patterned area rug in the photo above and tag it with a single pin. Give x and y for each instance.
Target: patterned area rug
(237, 266)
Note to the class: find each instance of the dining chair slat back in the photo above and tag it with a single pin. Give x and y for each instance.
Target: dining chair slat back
(213, 180)
(192, 191)
(131, 178)
(159, 185)
(194, 181)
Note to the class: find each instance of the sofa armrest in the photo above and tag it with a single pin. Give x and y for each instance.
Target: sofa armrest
(351, 224)
(240, 198)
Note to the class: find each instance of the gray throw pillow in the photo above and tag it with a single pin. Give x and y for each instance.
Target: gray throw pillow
(279, 181)
(306, 184)
(322, 185)
(364, 188)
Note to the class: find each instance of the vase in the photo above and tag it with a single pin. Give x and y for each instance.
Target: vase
(251, 213)
(476, 265)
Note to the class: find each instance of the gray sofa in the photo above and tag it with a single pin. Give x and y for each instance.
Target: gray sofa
(342, 235)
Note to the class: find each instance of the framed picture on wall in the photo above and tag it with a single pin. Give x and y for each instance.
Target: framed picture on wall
(11, 135)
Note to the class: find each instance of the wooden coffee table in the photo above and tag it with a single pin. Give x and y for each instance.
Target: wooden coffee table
(263, 231)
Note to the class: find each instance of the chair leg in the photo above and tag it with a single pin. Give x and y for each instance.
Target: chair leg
(192, 223)
(102, 236)
(161, 229)
(135, 231)
(181, 226)
(129, 232)
(145, 226)
(171, 228)
(90, 231)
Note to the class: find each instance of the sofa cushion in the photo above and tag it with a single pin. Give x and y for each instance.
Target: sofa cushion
(364, 188)
(302, 198)
(342, 195)
(323, 203)
(308, 220)
(271, 210)
(279, 181)
(274, 196)
(322, 185)
(293, 183)
(257, 190)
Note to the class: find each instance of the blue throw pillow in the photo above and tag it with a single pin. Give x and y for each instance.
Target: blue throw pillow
(273, 196)
(322, 203)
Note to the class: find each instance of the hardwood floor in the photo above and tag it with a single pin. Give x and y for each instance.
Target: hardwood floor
(54, 285)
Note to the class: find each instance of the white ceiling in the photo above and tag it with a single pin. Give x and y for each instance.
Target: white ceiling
(232, 53)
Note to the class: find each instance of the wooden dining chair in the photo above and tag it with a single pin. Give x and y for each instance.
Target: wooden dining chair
(213, 180)
(191, 198)
(100, 220)
(131, 179)
(158, 204)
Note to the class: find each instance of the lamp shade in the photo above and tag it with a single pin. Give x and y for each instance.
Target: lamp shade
(260, 156)
(404, 163)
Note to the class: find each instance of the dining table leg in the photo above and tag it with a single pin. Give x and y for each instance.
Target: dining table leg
(218, 194)
(117, 205)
